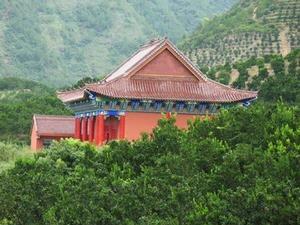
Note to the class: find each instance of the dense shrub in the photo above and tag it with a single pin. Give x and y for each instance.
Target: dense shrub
(241, 168)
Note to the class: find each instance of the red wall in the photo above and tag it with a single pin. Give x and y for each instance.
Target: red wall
(36, 142)
(139, 122)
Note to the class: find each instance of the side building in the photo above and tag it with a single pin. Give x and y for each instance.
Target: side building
(47, 128)
(158, 79)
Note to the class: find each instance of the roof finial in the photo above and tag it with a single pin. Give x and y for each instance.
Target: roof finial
(151, 42)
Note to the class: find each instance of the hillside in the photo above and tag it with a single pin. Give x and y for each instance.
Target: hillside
(66, 40)
(251, 28)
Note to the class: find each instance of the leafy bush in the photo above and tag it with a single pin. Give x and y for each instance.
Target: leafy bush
(224, 77)
(240, 168)
(277, 63)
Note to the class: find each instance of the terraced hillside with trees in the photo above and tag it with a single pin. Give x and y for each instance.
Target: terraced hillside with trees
(272, 75)
(250, 29)
(66, 40)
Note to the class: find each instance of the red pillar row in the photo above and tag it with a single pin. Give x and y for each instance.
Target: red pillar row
(122, 127)
(91, 127)
(84, 127)
(99, 131)
(77, 132)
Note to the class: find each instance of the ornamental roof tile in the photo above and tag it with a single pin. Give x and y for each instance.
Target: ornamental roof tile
(47, 125)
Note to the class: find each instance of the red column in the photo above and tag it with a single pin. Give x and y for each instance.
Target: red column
(91, 129)
(168, 115)
(77, 132)
(84, 136)
(96, 136)
(122, 127)
(99, 136)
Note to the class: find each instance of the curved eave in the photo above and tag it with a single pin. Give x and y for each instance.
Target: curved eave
(210, 91)
(71, 96)
(249, 98)
(222, 93)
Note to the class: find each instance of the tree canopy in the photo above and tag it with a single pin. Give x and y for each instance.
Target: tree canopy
(241, 168)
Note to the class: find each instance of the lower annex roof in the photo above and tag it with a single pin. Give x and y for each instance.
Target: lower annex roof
(50, 125)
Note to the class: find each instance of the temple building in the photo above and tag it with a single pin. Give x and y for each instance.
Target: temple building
(158, 79)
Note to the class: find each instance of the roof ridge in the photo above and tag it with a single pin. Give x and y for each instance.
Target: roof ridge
(151, 42)
(134, 54)
(52, 116)
(69, 91)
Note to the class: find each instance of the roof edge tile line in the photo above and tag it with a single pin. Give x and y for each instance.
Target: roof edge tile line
(231, 88)
(69, 91)
(177, 99)
(63, 135)
(60, 116)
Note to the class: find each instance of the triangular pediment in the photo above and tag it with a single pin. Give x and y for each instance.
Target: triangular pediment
(159, 59)
(165, 65)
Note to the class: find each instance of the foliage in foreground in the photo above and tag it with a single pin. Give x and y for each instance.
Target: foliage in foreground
(241, 168)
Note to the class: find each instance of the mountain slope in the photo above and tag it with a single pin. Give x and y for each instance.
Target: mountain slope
(250, 28)
(65, 40)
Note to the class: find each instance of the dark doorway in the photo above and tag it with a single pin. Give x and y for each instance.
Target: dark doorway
(111, 127)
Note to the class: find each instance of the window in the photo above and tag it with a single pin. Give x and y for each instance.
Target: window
(47, 142)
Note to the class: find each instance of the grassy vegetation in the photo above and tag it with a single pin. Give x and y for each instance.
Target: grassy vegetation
(10, 152)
